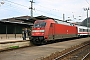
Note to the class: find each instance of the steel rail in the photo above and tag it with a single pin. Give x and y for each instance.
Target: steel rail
(69, 52)
(85, 56)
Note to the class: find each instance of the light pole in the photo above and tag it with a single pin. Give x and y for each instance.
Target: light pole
(63, 17)
(79, 17)
(86, 9)
(31, 8)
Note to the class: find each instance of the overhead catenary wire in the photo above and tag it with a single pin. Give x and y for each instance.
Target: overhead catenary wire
(15, 8)
(8, 13)
(49, 8)
(11, 8)
(17, 3)
(33, 9)
(87, 2)
(22, 5)
(47, 13)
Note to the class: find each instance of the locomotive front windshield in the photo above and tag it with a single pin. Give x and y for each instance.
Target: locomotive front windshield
(39, 24)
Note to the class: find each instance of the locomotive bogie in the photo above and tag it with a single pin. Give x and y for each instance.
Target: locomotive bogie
(38, 40)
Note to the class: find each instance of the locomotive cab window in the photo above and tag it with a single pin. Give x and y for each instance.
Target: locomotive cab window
(39, 24)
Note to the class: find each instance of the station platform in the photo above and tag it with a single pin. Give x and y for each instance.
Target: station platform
(6, 44)
(12, 40)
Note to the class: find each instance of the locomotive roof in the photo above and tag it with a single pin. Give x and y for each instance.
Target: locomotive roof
(56, 20)
(45, 17)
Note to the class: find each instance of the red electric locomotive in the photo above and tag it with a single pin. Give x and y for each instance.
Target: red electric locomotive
(50, 29)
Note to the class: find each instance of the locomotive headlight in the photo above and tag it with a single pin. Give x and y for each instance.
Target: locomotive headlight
(37, 30)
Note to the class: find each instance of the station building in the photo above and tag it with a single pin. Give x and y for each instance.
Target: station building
(12, 27)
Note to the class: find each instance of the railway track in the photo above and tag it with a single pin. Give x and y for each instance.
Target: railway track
(79, 52)
(36, 52)
(86, 57)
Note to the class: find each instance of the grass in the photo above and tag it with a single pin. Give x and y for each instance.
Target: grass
(14, 47)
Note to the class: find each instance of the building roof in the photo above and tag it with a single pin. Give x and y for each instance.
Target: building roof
(86, 22)
(18, 20)
(26, 20)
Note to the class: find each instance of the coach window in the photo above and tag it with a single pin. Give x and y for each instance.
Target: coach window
(85, 30)
(88, 30)
(80, 30)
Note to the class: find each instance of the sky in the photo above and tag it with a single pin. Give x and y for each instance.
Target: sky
(52, 8)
